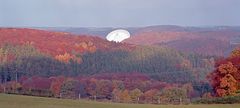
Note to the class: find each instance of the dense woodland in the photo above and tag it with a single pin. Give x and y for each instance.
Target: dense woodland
(107, 71)
(160, 63)
(25, 70)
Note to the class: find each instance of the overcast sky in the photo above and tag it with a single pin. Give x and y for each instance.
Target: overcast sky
(118, 13)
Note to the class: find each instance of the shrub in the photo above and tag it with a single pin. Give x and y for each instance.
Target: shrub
(219, 100)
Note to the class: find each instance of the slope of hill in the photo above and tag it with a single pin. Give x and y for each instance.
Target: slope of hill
(215, 42)
(93, 55)
(100, 32)
(35, 59)
(55, 43)
(103, 31)
(206, 46)
(173, 36)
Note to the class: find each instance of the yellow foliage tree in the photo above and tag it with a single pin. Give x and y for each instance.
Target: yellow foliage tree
(135, 94)
(227, 84)
(235, 53)
(125, 97)
(64, 58)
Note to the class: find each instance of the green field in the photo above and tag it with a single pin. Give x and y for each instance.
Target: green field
(17, 101)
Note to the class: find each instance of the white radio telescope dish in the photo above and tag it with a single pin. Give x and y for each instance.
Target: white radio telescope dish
(118, 35)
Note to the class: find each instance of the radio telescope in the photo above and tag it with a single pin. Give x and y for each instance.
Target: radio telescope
(118, 35)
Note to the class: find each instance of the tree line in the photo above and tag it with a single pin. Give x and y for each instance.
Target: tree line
(127, 88)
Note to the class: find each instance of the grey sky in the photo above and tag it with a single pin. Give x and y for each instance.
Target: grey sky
(118, 13)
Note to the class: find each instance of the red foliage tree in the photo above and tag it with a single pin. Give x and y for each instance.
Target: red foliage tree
(225, 79)
(56, 85)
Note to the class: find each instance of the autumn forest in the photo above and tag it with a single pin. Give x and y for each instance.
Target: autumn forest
(171, 66)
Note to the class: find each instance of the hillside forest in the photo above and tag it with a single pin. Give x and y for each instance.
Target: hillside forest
(64, 65)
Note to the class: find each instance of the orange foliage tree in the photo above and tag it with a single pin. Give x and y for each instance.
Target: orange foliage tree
(121, 95)
(225, 78)
(64, 58)
(125, 97)
(235, 53)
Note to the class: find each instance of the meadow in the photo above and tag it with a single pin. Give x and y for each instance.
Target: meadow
(19, 101)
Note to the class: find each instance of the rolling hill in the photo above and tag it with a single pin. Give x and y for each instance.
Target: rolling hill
(204, 40)
(38, 58)
(94, 55)
(55, 43)
(207, 41)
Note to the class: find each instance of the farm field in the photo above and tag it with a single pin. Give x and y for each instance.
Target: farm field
(18, 101)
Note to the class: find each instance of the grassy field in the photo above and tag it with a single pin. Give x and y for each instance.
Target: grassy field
(17, 101)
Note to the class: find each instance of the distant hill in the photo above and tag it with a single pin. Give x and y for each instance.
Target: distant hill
(208, 41)
(103, 31)
(190, 39)
(55, 43)
(100, 32)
